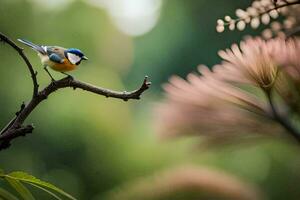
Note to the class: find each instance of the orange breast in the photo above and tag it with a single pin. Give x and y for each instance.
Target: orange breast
(63, 67)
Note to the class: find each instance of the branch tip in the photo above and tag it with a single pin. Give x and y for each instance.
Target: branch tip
(146, 82)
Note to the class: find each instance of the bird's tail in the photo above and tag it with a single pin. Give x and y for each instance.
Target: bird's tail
(33, 46)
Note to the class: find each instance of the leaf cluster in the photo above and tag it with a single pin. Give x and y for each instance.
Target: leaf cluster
(18, 181)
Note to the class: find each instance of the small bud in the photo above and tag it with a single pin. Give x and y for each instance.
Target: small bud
(265, 3)
(241, 25)
(227, 18)
(256, 4)
(220, 28)
(274, 14)
(232, 25)
(220, 22)
(247, 20)
(288, 23)
(276, 26)
(255, 22)
(267, 34)
(252, 11)
(241, 13)
(265, 18)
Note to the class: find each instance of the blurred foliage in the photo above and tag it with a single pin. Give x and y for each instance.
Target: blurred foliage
(89, 145)
(188, 182)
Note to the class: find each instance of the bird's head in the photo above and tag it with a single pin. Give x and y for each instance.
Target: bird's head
(75, 56)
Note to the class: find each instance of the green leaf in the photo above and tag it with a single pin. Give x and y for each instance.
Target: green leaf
(48, 191)
(20, 188)
(22, 176)
(7, 195)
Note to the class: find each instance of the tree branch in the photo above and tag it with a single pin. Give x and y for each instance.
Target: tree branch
(24, 57)
(15, 127)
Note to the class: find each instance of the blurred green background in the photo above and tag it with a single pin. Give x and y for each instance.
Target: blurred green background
(90, 145)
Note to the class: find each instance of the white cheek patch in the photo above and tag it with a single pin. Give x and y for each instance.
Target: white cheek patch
(73, 58)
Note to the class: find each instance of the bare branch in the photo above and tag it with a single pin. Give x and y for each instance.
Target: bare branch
(15, 127)
(24, 57)
(70, 82)
(12, 133)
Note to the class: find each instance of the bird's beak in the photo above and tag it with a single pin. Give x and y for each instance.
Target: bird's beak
(84, 58)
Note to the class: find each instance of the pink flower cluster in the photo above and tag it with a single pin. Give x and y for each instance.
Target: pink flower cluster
(230, 98)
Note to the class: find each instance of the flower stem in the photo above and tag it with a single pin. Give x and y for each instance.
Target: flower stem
(282, 120)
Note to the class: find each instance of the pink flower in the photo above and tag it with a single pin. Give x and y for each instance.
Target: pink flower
(252, 63)
(228, 100)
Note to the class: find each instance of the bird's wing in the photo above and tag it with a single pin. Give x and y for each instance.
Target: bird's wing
(56, 54)
(56, 58)
(57, 50)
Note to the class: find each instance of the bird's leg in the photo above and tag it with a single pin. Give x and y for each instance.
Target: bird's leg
(46, 69)
(68, 75)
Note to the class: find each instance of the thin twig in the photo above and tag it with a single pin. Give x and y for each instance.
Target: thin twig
(15, 127)
(276, 7)
(24, 57)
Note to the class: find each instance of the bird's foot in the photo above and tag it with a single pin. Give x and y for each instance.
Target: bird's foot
(52, 79)
(53, 82)
(68, 76)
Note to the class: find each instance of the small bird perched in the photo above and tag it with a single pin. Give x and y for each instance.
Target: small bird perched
(57, 58)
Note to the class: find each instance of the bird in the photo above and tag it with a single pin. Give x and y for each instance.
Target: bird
(57, 58)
